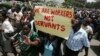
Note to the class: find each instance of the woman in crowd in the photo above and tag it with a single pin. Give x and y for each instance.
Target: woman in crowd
(51, 46)
(28, 42)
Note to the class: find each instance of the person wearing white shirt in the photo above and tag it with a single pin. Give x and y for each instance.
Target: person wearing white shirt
(6, 30)
(87, 28)
(18, 14)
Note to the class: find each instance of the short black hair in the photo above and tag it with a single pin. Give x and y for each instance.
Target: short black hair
(4, 13)
(79, 22)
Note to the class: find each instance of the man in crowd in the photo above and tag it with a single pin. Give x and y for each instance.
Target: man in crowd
(77, 39)
(6, 32)
(86, 26)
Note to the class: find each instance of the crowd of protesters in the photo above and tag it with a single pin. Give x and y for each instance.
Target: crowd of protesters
(92, 18)
(18, 32)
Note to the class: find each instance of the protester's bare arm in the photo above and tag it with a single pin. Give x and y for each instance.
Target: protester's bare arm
(36, 42)
(32, 43)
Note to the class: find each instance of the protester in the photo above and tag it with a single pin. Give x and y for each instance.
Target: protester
(77, 39)
(7, 31)
(86, 26)
(51, 46)
(28, 42)
(18, 13)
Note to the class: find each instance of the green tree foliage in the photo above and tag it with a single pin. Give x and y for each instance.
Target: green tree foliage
(7, 5)
(93, 5)
(97, 0)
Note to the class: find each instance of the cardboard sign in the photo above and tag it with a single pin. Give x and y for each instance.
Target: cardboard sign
(55, 21)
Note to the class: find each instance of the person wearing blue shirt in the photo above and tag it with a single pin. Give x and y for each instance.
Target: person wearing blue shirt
(51, 46)
(77, 40)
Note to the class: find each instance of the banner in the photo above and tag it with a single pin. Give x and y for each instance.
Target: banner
(55, 21)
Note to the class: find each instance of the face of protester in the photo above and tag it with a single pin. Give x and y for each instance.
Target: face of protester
(25, 13)
(87, 21)
(28, 13)
(26, 30)
(75, 25)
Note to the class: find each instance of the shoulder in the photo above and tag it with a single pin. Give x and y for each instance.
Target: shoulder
(89, 27)
(6, 22)
(82, 31)
(34, 34)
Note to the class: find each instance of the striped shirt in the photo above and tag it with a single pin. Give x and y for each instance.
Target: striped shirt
(77, 40)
